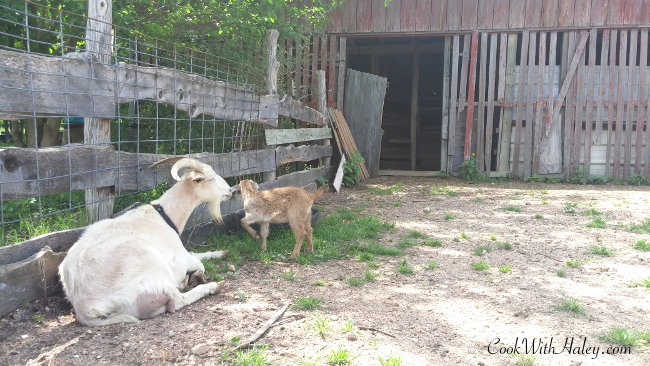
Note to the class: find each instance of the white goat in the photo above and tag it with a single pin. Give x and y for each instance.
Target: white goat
(131, 267)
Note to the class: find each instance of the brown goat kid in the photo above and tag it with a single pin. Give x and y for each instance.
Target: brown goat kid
(278, 206)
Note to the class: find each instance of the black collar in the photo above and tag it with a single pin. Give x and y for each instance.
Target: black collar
(162, 213)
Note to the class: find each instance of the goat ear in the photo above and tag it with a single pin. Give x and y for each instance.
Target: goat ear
(236, 188)
(198, 178)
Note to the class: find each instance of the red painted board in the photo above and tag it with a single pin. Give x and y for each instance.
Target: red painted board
(378, 16)
(615, 12)
(364, 16)
(517, 14)
(470, 14)
(599, 12)
(393, 14)
(632, 11)
(582, 13)
(454, 14)
(549, 13)
(350, 16)
(501, 14)
(407, 15)
(565, 13)
(438, 14)
(533, 14)
(423, 15)
(644, 17)
(486, 14)
(336, 21)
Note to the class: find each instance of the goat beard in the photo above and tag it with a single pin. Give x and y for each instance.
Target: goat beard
(215, 212)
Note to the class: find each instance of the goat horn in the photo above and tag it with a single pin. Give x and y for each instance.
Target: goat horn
(187, 163)
(171, 160)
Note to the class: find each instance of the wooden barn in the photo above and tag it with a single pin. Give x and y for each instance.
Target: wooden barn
(531, 87)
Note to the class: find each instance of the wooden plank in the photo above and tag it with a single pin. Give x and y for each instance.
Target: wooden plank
(505, 128)
(551, 159)
(480, 120)
(422, 15)
(469, 19)
(378, 17)
(315, 50)
(549, 13)
(454, 14)
(300, 90)
(486, 12)
(395, 49)
(470, 95)
(632, 11)
(344, 137)
(331, 101)
(501, 14)
(565, 13)
(283, 136)
(305, 72)
(582, 13)
(350, 16)
(570, 110)
(438, 15)
(462, 100)
(489, 130)
(540, 106)
(322, 108)
(59, 241)
(502, 67)
(528, 145)
(364, 16)
(291, 108)
(577, 126)
(622, 68)
(415, 82)
(598, 12)
(642, 106)
(393, 16)
(616, 12)
(407, 15)
(523, 67)
(336, 20)
(610, 114)
(342, 66)
(591, 80)
(290, 154)
(453, 102)
(644, 17)
(629, 119)
(446, 103)
(517, 14)
(602, 89)
(533, 14)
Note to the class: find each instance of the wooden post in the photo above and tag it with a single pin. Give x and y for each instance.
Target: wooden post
(99, 42)
(322, 107)
(414, 106)
(445, 105)
(470, 95)
(591, 80)
(453, 104)
(505, 129)
(271, 79)
(480, 121)
(341, 81)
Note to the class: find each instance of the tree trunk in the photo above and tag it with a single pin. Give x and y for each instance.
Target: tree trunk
(51, 132)
(17, 134)
(34, 131)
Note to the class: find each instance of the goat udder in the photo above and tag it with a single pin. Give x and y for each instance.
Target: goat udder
(148, 305)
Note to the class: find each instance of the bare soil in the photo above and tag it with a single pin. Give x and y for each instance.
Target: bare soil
(445, 316)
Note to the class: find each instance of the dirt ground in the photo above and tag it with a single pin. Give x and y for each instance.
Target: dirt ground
(451, 315)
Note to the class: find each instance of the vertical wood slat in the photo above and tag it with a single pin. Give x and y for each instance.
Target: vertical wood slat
(486, 14)
(598, 12)
(407, 15)
(469, 19)
(627, 156)
(505, 124)
(502, 67)
(632, 11)
(414, 107)
(642, 105)
(438, 14)
(610, 102)
(378, 17)
(517, 14)
(305, 71)
(528, 145)
(620, 102)
(336, 21)
(342, 66)
(291, 68)
(480, 121)
(314, 66)
(489, 130)
(552, 59)
(470, 94)
(602, 89)
(422, 15)
(533, 14)
(462, 101)
(591, 80)
(331, 76)
(569, 109)
(454, 14)
(549, 13)
(501, 14)
(350, 16)
(616, 12)
(582, 13)
(445, 104)
(299, 71)
(364, 16)
(523, 66)
(540, 102)
(577, 126)
(565, 13)
(644, 16)
(323, 55)
(453, 102)
(393, 15)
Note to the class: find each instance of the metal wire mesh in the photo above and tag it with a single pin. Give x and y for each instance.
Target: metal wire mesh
(140, 126)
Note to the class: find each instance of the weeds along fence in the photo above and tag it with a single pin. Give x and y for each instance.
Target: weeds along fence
(87, 105)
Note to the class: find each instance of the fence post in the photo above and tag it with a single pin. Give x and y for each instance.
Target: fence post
(99, 42)
(322, 107)
(271, 80)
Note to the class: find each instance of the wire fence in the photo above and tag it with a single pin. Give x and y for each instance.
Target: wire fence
(161, 99)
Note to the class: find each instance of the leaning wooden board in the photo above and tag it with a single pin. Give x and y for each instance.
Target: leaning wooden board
(344, 138)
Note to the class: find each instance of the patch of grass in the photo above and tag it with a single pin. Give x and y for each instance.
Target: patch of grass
(642, 228)
(642, 245)
(349, 327)
(477, 200)
(598, 223)
(416, 235)
(544, 201)
(289, 275)
(571, 305)
(405, 243)
(340, 357)
(432, 243)
(311, 361)
(482, 249)
(369, 276)
(456, 238)
(505, 268)
(524, 359)
(592, 211)
(493, 237)
(373, 265)
(320, 323)
(39, 318)
(391, 360)
(544, 191)
(561, 272)
(539, 216)
(319, 283)
(379, 249)
(364, 257)
(515, 198)
(531, 193)
(574, 263)
(308, 303)
(397, 204)
(601, 250)
(403, 267)
(386, 191)
(356, 281)
(241, 295)
(623, 337)
(449, 217)
(431, 265)
(445, 191)
(253, 357)
(645, 282)
(427, 210)
(481, 266)
(463, 235)
(570, 207)
(512, 208)
(504, 245)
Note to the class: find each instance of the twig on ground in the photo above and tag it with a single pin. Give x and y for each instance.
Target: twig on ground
(264, 328)
(376, 330)
(288, 319)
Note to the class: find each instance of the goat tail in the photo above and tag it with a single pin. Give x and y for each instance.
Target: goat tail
(320, 192)
(113, 319)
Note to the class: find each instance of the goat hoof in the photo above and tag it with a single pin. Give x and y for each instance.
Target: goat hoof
(216, 287)
(256, 238)
(197, 278)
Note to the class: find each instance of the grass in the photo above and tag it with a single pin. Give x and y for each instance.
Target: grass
(571, 305)
(645, 282)
(432, 243)
(539, 216)
(592, 211)
(524, 359)
(561, 272)
(369, 276)
(601, 250)
(405, 242)
(493, 237)
(308, 303)
(505, 268)
(373, 265)
(504, 245)
(416, 235)
(481, 266)
(340, 357)
(319, 283)
(386, 191)
(482, 249)
(512, 209)
(642, 228)
(642, 245)
(457, 239)
(391, 360)
(379, 249)
(597, 222)
(445, 191)
(625, 337)
(289, 275)
(356, 281)
(349, 327)
(320, 323)
(397, 204)
(477, 200)
(574, 263)
(544, 191)
(570, 207)
(463, 235)
(449, 217)
(431, 265)
(403, 267)
(544, 201)
(253, 357)
(364, 257)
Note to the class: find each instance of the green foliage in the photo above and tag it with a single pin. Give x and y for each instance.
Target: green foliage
(445, 174)
(404, 267)
(512, 209)
(642, 245)
(601, 250)
(624, 337)
(308, 303)
(504, 245)
(289, 275)
(253, 357)
(505, 268)
(386, 191)
(391, 360)
(597, 222)
(352, 169)
(382, 250)
(320, 323)
(432, 243)
(469, 170)
(340, 357)
(573, 263)
(482, 249)
(570, 207)
(581, 176)
(561, 272)
(431, 265)
(481, 266)
(642, 228)
(571, 305)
